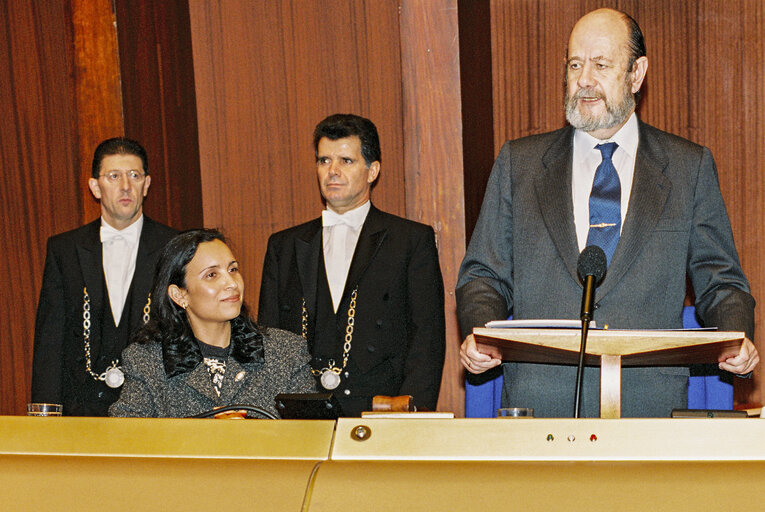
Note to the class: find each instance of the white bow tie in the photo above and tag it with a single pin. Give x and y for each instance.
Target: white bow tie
(330, 218)
(109, 234)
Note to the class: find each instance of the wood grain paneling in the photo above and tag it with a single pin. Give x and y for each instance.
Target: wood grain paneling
(433, 155)
(97, 85)
(266, 73)
(705, 82)
(60, 95)
(261, 91)
(157, 73)
(728, 90)
(40, 189)
(476, 88)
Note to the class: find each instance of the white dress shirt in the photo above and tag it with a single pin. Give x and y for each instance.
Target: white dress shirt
(586, 160)
(340, 234)
(120, 251)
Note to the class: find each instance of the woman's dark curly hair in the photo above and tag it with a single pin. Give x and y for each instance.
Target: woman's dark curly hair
(169, 325)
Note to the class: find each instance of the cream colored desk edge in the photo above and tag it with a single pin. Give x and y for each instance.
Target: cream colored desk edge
(550, 439)
(389, 439)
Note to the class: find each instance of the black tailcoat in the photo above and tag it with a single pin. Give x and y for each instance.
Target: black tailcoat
(73, 262)
(399, 335)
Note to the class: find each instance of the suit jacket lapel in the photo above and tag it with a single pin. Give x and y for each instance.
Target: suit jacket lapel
(553, 190)
(307, 252)
(91, 266)
(650, 190)
(143, 277)
(371, 238)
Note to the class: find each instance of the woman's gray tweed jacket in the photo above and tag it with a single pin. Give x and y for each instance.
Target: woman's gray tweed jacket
(148, 392)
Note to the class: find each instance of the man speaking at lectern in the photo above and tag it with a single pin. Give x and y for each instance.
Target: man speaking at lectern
(650, 199)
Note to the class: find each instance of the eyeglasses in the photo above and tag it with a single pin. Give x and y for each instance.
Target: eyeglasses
(116, 176)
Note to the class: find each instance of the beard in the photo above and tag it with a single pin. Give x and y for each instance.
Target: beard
(616, 111)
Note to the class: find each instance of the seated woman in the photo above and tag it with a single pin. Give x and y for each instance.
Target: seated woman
(200, 349)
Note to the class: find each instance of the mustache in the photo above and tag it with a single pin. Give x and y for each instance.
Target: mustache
(588, 93)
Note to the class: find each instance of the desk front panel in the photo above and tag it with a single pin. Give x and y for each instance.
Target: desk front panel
(645, 486)
(550, 439)
(102, 464)
(438, 464)
(543, 464)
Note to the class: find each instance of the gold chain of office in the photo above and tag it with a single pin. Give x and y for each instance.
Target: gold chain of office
(329, 376)
(112, 376)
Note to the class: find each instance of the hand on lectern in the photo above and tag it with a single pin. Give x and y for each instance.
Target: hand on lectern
(744, 362)
(475, 361)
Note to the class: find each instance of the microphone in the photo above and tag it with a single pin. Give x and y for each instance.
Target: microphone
(591, 268)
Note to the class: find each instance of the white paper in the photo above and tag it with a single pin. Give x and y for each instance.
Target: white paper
(540, 323)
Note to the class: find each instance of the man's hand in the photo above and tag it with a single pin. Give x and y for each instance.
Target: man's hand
(740, 364)
(475, 361)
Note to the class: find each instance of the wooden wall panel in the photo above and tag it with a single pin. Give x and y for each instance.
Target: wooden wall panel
(266, 72)
(476, 90)
(729, 90)
(528, 48)
(40, 189)
(705, 82)
(61, 93)
(157, 73)
(261, 92)
(98, 97)
(430, 65)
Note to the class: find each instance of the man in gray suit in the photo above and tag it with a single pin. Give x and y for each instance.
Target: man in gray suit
(668, 221)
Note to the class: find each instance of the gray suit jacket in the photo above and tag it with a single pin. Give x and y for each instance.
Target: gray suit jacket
(148, 392)
(523, 254)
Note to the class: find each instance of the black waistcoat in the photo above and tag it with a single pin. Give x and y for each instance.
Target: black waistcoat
(329, 331)
(113, 338)
(96, 397)
(327, 343)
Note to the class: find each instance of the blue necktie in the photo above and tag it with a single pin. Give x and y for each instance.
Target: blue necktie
(605, 204)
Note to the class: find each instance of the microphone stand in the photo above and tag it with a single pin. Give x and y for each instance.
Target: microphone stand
(587, 299)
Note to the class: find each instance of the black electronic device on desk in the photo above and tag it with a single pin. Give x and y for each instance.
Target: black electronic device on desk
(308, 406)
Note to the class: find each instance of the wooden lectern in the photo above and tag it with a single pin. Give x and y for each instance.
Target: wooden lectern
(609, 349)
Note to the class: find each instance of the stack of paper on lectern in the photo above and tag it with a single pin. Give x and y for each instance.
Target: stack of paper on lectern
(539, 323)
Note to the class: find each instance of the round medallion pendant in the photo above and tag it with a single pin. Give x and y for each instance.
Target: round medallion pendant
(114, 378)
(329, 379)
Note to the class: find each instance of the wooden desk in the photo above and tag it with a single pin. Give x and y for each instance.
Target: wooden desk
(544, 464)
(403, 465)
(100, 464)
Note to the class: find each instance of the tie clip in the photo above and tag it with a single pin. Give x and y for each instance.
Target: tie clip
(603, 225)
